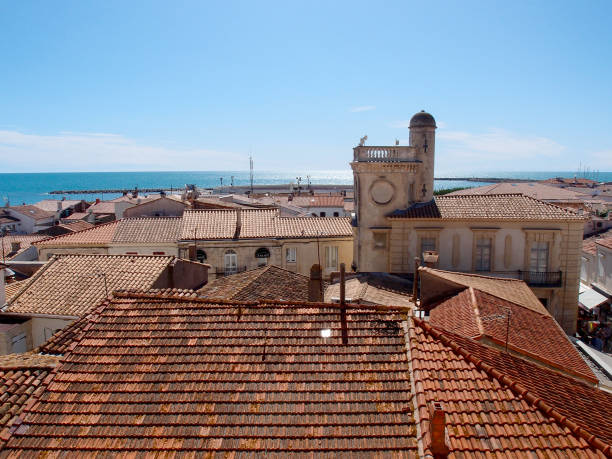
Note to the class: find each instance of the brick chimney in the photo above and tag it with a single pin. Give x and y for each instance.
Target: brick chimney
(437, 427)
(315, 284)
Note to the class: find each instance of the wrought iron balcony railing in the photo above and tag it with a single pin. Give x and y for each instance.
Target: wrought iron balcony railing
(229, 271)
(542, 279)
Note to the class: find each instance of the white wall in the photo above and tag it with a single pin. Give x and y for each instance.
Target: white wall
(44, 327)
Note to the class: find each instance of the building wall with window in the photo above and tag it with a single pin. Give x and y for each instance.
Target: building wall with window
(538, 249)
(296, 255)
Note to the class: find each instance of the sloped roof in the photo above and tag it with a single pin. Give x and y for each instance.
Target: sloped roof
(148, 229)
(512, 290)
(475, 314)
(363, 290)
(535, 190)
(98, 235)
(127, 230)
(175, 375)
(70, 285)
(33, 212)
(267, 283)
(258, 223)
(497, 403)
(499, 207)
(25, 241)
(605, 242)
(12, 289)
(78, 225)
(50, 205)
(21, 378)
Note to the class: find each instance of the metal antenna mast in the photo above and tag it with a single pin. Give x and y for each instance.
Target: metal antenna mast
(251, 168)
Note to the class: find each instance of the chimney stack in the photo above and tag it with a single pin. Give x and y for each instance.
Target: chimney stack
(315, 284)
(15, 246)
(59, 206)
(2, 286)
(437, 426)
(97, 200)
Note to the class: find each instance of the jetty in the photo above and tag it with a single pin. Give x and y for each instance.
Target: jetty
(281, 187)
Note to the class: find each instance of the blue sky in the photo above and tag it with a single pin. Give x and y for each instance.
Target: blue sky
(194, 85)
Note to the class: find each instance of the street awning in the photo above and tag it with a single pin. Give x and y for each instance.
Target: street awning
(589, 298)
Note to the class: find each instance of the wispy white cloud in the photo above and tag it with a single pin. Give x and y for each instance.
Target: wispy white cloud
(363, 108)
(70, 151)
(499, 145)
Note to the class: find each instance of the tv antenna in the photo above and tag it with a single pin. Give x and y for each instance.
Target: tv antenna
(251, 169)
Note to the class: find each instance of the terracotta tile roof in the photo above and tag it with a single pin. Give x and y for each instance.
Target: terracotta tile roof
(70, 285)
(24, 240)
(259, 223)
(61, 341)
(588, 244)
(512, 290)
(155, 375)
(535, 190)
(478, 315)
(96, 236)
(498, 405)
(148, 229)
(21, 377)
(12, 289)
(364, 291)
(318, 201)
(501, 207)
(268, 283)
(50, 205)
(78, 225)
(33, 212)
(76, 216)
(136, 230)
(605, 242)
(102, 207)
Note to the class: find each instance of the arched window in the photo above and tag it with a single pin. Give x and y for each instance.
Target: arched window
(231, 262)
(201, 256)
(262, 254)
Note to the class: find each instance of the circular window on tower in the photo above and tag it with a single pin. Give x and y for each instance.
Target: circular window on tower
(382, 191)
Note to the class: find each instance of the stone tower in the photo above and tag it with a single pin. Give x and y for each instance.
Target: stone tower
(387, 178)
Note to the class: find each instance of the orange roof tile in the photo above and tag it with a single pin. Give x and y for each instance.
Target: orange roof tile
(501, 207)
(77, 225)
(34, 212)
(267, 283)
(148, 229)
(490, 413)
(478, 315)
(534, 189)
(259, 223)
(24, 240)
(605, 242)
(97, 236)
(21, 377)
(364, 291)
(70, 285)
(12, 289)
(166, 375)
(513, 290)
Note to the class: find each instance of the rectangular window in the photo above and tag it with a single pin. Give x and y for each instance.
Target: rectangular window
(331, 257)
(380, 240)
(428, 244)
(131, 253)
(159, 253)
(538, 258)
(291, 254)
(322, 214)
(483, 254)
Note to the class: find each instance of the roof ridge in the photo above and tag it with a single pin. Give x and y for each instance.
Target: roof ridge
(30, 281)
(476, 308)
(517, 388)
(505, 279)
(162, 296)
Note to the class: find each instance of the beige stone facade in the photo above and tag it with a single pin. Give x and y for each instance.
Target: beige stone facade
(397, 219)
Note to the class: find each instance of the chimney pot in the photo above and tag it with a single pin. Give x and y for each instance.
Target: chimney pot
(315, 284)
(97, 200)
(439, 447)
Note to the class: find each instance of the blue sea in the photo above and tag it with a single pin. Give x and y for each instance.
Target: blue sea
(31, 188)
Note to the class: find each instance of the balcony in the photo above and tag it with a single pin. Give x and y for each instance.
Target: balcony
(229, 271)
(541, 279)
(393, 154)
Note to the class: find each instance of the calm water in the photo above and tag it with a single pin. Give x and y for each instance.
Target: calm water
(30, 188)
